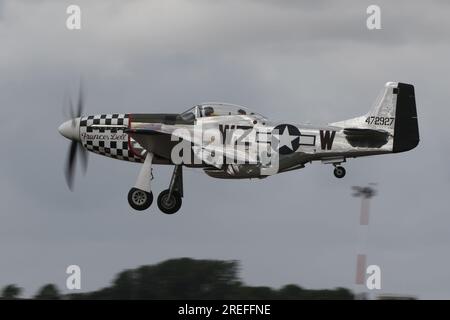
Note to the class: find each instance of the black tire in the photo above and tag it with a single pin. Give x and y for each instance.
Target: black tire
(139, 199)
(339, 172)
(169, 206)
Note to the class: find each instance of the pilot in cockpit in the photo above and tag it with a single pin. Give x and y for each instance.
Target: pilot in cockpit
(208, 111)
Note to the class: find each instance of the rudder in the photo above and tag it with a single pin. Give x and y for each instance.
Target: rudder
(406, 128)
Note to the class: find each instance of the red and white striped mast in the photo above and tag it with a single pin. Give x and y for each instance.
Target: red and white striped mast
(365, 193)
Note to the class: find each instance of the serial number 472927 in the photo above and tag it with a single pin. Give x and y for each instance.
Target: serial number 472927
(380, 121)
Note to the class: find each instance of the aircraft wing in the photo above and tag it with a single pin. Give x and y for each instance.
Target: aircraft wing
(212, 154)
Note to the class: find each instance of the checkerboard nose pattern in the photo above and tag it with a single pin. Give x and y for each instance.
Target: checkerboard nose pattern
(103, 134)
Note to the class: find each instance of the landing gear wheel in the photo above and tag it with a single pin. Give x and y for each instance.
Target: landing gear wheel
(339, 172)
(140, 199)
(169, 205)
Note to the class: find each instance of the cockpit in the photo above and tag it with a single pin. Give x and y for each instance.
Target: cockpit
(215, 109)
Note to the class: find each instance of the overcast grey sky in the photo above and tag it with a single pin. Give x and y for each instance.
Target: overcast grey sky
(303, 61)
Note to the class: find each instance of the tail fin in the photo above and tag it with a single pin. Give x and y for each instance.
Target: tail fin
(394, 112)
(383, 112)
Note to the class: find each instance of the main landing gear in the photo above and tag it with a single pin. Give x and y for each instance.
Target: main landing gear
(140, 197)
(169, 201)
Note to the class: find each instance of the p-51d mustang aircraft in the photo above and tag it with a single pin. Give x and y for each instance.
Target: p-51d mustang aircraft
(232, 142)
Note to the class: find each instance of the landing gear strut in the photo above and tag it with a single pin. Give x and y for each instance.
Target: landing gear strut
(170, 200)
(339, 172)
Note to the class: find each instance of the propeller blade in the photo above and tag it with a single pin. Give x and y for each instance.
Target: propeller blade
(70, 164)
(80, 101)
(75, 146)
(84, 158)
(72, 112)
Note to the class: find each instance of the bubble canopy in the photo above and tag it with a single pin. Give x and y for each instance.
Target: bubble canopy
(217, 109)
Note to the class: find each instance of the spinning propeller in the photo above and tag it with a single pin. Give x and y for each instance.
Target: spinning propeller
(71, 130)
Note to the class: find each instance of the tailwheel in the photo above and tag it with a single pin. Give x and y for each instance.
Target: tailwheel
(339, 172)
(140, 199)
(169, 203)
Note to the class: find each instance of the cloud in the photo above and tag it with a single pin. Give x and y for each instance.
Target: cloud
(288, 60)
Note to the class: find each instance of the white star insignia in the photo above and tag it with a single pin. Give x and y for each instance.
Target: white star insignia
(285, 139)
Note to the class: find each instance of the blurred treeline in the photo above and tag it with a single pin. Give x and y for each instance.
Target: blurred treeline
(183, 278)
